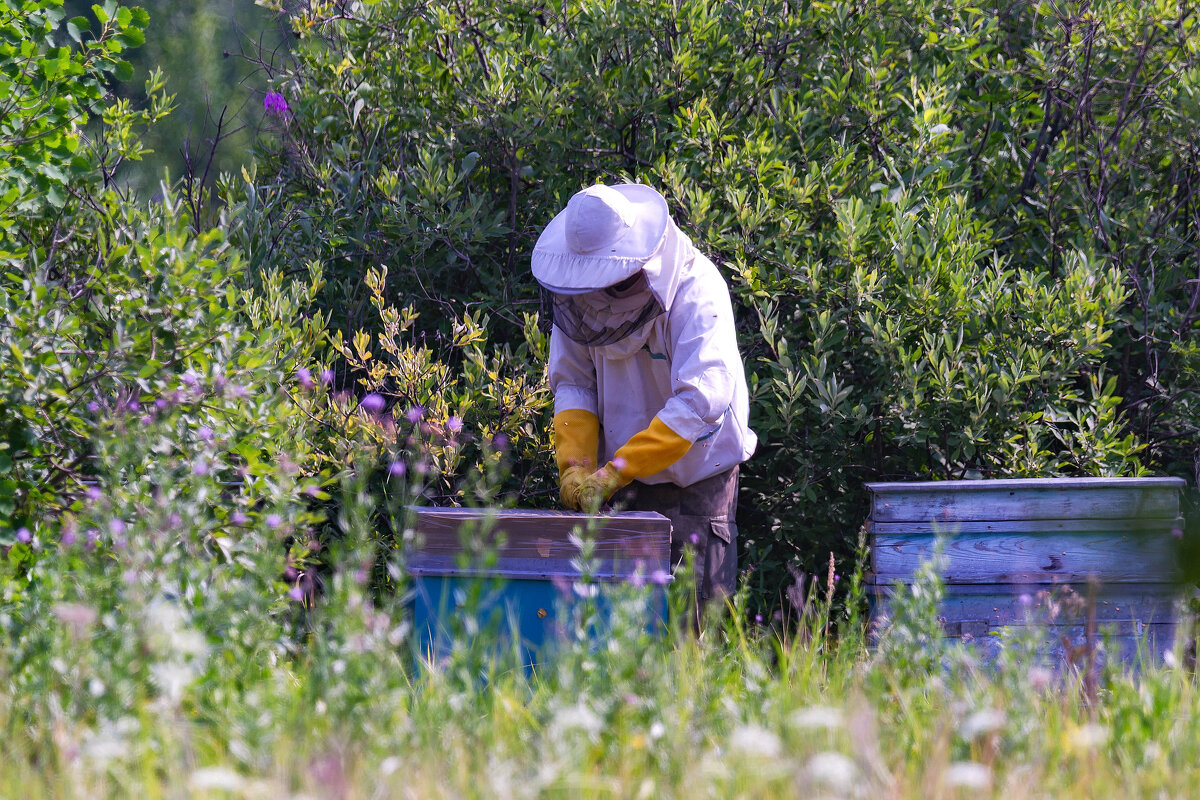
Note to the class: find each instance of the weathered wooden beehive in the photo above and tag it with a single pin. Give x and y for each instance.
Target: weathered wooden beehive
(521, 569)
(1058, 552)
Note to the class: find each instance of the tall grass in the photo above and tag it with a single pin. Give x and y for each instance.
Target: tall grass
(175, 658)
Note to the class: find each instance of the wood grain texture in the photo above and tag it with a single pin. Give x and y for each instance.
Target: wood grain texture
(1034, 498)
(1028, 526)
(1031, 557)
(1122, 608)
(531, 543)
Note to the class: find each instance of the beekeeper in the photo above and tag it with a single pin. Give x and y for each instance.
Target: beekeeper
(646, 373)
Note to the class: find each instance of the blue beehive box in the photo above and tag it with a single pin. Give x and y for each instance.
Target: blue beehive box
(521, 573)
(1079, 557)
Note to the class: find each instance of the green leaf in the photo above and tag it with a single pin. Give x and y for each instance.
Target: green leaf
(123, 70)
(77, 26)
(133, 37)
(100, 13)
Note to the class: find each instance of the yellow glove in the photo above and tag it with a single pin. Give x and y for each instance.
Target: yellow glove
(598, 487)
(576, 437)
(646, 452)
(569, 482)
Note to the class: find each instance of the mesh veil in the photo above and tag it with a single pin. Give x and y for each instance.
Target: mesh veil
(602, 317)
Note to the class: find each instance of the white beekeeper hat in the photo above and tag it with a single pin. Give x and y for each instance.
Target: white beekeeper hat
(605, 235)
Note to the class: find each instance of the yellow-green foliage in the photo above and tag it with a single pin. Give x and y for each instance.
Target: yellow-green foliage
(958, 245)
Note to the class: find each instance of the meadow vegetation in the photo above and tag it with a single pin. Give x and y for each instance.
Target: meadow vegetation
(962, 241)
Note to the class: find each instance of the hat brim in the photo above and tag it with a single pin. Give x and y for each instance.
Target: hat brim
(562, 270)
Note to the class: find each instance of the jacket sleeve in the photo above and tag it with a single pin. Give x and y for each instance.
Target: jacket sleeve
(572, 375)
(704, 357)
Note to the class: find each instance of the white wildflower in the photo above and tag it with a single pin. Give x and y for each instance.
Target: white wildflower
(389, 765)
(218, 778)
(819, 717)
(756, 741)
(657, 730)
(110, 741)
(834, 770)
(1040, 677)
(576, 717)
(171, 678)
(1088, 736)
(968, 775)
(982, 722)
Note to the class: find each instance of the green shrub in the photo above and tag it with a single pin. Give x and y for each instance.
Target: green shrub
(121, 317)
(903, 196)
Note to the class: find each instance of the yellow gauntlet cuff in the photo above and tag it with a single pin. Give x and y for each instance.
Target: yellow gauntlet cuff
(576, 437)
(649, 451)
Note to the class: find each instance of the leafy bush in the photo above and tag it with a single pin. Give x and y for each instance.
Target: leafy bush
(942, 221)
(124, 318)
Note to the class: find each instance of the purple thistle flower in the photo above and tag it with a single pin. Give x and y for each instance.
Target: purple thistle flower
(24, 536)
(174, 521)
(694, 538)
(116, 526)
(239, 517)
(130, 577)
(758, 618)
(304, 378)
(312, 490)
(660, 577)
(93, 493)
(373, 403)
(93, 536)
(415, 414)
(147, 419)
(296, 593)
(273, 521)
(133, 405)
(200, 468)
(190, 378)
(275, 103)
(219, 384)
(68, 538)
(500, 442)
(205, 433)
(454, 424)
(238, 391)
(327, 376)
(161, 404)
(93, 406)
(396, 469)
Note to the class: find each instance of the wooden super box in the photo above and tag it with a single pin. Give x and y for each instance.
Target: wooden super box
(1049, 550)
(521, 570)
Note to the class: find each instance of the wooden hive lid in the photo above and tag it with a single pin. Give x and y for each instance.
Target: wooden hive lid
(538, 543)
(948, 502)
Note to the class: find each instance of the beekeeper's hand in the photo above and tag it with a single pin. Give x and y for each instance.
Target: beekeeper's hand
(576, 436)
(647, 452)
(569, 481)
(598, 487)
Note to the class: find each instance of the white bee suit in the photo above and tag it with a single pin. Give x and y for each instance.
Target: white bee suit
(682, 366)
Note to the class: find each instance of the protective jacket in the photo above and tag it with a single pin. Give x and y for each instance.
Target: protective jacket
(682, 367)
